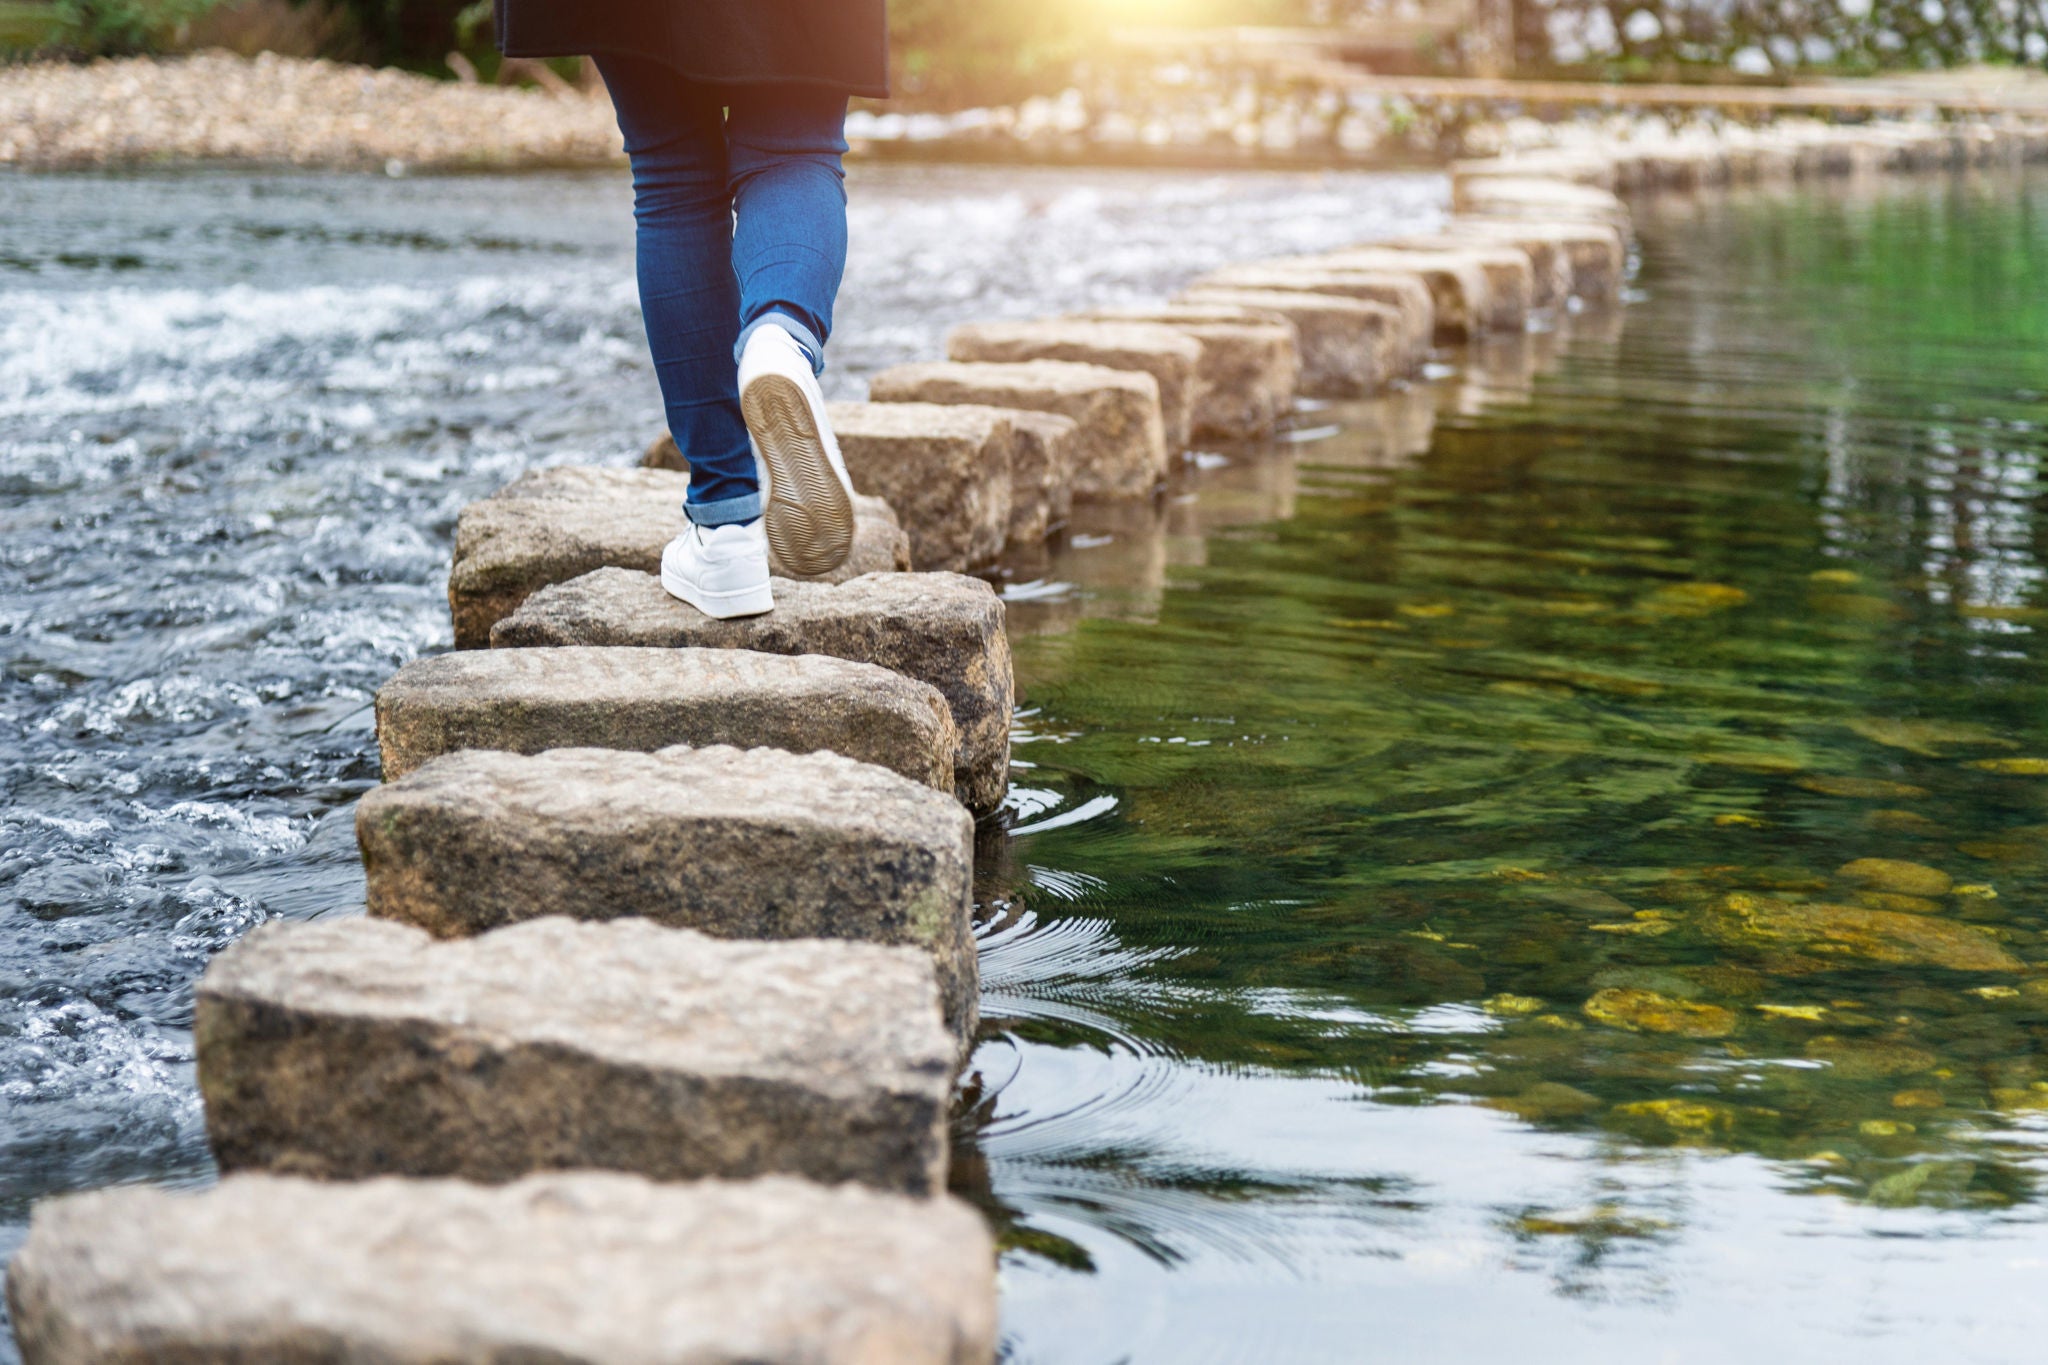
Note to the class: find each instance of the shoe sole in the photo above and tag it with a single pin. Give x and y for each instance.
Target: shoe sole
(809, 515)
(722, 606)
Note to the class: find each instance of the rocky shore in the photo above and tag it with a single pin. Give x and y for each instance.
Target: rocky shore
(282, 111)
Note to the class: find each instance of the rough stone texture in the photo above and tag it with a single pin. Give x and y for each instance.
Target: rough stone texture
(1041, 474)
(582, 1269)
(1120, 449)
(525, 701)
(554, 524)
(1348, 347)
(1537, 198)
(1595, 255)
(944, 469)
(942, 629)
(1584, 167)
(1474, 290)
(1250, 366)
(1172, 359)
(1510, 276)
(348, 1048)
(750, 843)
(1402, 290)
(1549, 269)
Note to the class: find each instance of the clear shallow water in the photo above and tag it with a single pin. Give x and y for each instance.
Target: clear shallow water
(238, 416)
(1449, 957)
(1358, 769)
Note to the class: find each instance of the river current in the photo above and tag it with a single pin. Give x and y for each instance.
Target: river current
(1431, 923)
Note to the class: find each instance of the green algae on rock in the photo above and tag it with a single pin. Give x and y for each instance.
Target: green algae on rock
(1927, 738)
(1873, 935)
(1870, 788)
(1642, 1011)
(1895, 876)
(1858, 1059)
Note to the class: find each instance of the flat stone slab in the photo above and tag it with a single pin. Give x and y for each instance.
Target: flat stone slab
(752, 843)
(944, 469)
(526, 701)
(942, 629)
(1596, 256)
(1348, 347)
(589, 1268)
(1171, 358)
(1402, 290)
(1463, 285)
(349, 1048)
(1537, 198)
(1249, 370)
(551, 525)
(1120, 447)
(1542, 268)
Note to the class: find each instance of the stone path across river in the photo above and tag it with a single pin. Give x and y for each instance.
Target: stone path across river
(539, 815)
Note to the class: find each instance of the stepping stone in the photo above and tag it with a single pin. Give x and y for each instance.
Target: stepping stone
(350, 1048)
(1538, 198)
(526, 701)
(589, 1268)
(1596, 257)
(1462, 285)
(751, 843)
(1250, 366)
(942, 629)
(1347, 346)
(1120, 449)
(945, 470)
(1548, 163)
(1041, 474)
(1549, 269)
(553, 524)
(1402, 290)
(1173, 360)
(1510, 275)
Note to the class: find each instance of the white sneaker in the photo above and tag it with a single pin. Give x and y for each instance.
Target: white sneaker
(809, 499)
(722, 571)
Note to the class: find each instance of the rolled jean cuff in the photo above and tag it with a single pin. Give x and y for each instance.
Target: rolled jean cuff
(726, 511)
(805, 337)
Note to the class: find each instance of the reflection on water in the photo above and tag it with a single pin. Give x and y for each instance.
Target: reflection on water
(1558, 858)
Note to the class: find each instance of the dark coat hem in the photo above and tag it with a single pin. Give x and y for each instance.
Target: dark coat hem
(872, 92)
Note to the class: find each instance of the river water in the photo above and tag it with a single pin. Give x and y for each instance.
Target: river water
(1424, 930)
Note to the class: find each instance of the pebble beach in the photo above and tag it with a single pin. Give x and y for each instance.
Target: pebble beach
(281, 111)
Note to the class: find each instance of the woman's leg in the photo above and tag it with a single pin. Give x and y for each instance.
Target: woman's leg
(784, 146)
(682, 202)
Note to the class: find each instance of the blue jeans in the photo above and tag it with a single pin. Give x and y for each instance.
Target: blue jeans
(739, 197)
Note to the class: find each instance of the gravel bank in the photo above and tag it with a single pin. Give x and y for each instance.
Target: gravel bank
(281, 111)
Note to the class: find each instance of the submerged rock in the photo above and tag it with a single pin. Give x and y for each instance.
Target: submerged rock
(1859, 1059)
(1873, 788)
(1896, 876)
(347, 1048)
(1548, 1100)
(584, 1268)
(1873, 935)
(1692, 599)
(1642, 1011)
(1927, 738)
